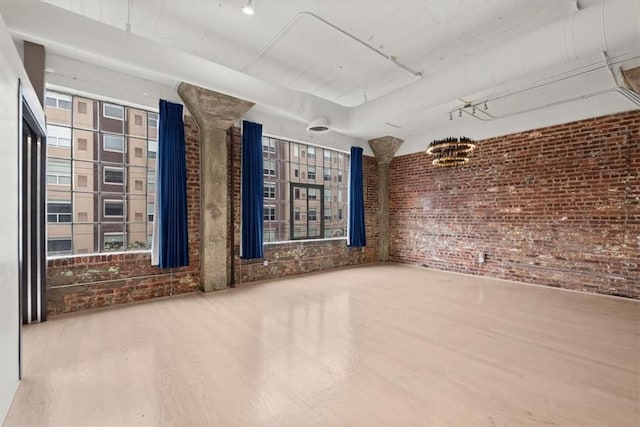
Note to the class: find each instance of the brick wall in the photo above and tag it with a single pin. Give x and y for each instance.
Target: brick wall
(300, 257)
(85, 282)
(558, 206)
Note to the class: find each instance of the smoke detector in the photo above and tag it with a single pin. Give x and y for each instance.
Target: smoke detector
(320, 125)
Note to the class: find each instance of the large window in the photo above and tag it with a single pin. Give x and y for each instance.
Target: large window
(301, 189)
(101, 170)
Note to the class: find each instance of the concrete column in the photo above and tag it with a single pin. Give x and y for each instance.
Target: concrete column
(215, 113)
(384, 149)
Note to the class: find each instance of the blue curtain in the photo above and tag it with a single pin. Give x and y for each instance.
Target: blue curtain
(172, 241)
(357, 236)
(252, 191)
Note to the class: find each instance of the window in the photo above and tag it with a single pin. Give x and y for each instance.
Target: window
(269, 167)
(113, 208)
(339, 176)
(58, 101)
(58, 172)
(152, 120)
(58, 212)
(112, 111)
(296, 186)
(340, 214)
(327, 174)
(268, 145)
(113, 175)
(95, 193)
(269, 234)
(58, 246)
(113, 242)
(58, 136)
(113, 143)
(313, 194)
(150, 211)
(311, 205)
(152, 151)
(269, 213)
(269, 190)
(151, 181)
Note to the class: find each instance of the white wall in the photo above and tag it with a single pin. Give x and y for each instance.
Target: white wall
(10, 70)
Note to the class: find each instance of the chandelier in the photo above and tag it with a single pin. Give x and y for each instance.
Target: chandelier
(451, 151)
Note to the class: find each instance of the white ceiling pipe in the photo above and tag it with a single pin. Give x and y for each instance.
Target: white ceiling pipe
(108, 46)
(605, 26)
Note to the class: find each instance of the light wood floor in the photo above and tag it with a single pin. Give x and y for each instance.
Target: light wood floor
(380, 345)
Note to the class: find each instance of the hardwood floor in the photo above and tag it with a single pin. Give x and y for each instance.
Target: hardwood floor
(378, 345)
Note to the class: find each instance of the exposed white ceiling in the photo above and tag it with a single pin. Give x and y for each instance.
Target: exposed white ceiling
(289, 48)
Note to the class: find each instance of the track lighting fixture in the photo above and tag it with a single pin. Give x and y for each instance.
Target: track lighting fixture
(450, 116)
(485, 106)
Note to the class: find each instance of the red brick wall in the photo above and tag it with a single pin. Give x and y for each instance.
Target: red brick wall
(301, 257)
(85, 282)
(558, 206)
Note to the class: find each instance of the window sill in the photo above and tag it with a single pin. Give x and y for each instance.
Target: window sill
(285, 242)
(54, 257)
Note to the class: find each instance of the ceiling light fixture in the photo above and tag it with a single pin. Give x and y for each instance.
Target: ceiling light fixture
(248, 8)
(451, 151)
(319, 125)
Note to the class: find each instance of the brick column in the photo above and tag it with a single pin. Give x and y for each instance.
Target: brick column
(215, 113)
(384, 148)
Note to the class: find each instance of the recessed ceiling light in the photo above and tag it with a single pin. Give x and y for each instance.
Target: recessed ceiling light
(248, 8)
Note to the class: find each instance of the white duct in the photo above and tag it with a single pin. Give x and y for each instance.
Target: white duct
(610, 25)
(111, 47)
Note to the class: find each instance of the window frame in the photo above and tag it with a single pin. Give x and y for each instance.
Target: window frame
(292, 223)
(114, 233)
(57, 214)
(112, 168)
(273, 217)
(107, 116)
(267, 193)
(58, 97)
(104, 206)
(58, 175)
(60, 239)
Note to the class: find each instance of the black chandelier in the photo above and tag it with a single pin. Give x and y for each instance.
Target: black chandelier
(451, 151)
